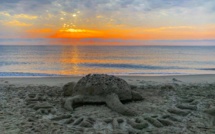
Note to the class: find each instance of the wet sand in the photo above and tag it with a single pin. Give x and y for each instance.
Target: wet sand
(172, 105)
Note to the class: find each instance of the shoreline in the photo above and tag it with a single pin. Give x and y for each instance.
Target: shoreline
(58, 80)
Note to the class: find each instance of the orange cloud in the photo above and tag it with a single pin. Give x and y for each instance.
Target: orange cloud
(17, 23)
(171, 33)
(182, 33)
(161, 33)
(170, 28)
(39, 33)
(25, 16)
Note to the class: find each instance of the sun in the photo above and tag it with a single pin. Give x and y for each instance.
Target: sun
(77, 33)
(72, 30)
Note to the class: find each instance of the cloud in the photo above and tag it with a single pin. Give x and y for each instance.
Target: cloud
(108, 14)
(23, 6)
(170, 28)
(18, 16)
(16, 20)
(5, 14)
(25, 16)
(16, 23)
(95, 6)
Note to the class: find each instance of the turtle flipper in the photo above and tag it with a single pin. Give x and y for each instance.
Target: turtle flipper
(68, 105)
(136, 96)
(112, 100)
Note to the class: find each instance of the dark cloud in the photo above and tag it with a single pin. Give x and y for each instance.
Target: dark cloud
(9, 1)
(17, 1)
(149, 5)
(23, 6)
(97, 5)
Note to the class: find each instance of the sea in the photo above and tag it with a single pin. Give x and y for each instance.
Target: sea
(42, 61)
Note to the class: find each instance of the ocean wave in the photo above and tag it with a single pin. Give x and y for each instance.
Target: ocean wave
(26, 74)
(156, 73)
(209, 69)
(6, 63)
(131, 66)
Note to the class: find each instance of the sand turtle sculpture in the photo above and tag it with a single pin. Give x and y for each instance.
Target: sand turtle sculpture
(101, 88)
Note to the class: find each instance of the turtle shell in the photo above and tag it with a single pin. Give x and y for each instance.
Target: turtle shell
(102, 85)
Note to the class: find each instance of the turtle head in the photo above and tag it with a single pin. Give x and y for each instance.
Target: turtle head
(136, 95)
(68, 89)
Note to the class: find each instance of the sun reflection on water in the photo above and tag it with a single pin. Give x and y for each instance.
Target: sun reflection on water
(70, 60)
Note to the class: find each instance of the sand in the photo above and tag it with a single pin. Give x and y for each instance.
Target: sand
(172, 105)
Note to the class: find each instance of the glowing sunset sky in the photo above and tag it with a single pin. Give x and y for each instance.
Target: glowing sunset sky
(115, 21)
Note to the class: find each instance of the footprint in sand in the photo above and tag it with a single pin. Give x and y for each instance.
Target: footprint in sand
(86, 122)
(184, 107)
(78, 121)
(133, 126)
(38, 103)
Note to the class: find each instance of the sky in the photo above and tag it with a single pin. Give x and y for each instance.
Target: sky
(116, 22)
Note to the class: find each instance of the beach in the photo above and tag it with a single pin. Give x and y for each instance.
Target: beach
(181, 104)
(107, 67)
